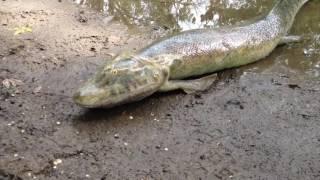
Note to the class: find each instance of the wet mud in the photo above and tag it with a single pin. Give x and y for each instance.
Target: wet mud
(260, 121)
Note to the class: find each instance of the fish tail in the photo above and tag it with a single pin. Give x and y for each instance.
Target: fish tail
(285, 11)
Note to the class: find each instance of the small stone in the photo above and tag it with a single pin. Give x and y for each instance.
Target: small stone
(57, 161)
(16, 155)
(131, 117)
(58, 122)
(87, 175)
(216, 17)
(29, 174)
(37, 90)
(308, 52)
(116, 136)
(166, 149)
(22, 131)
(126, 144)
(11, 123)
(7, 83)
(152, 114)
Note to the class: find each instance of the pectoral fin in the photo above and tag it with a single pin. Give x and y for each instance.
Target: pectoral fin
(291, 39)
(190, 86)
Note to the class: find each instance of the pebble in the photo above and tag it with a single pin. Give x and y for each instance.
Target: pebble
(11, 123)
(16, 155)
(57, 161)
(166, 149)
(58, 122)
(308, 52)
(126, 144)
(216, 17)
(130, 117)
(37, 90)
(116, 136)
(87, 175)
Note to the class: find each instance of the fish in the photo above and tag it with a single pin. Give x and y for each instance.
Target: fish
(177, 61)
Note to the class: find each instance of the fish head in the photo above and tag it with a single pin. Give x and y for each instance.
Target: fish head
(121, 81)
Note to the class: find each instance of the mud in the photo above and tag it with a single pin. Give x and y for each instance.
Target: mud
(260, 121)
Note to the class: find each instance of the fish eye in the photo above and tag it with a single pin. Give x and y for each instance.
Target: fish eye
(114, 71)
(107, 68)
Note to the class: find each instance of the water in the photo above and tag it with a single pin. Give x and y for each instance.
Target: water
(180, 15)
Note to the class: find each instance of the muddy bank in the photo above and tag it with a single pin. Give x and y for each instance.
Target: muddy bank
(257, 122)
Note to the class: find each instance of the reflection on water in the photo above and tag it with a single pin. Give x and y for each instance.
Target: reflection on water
(180, 15)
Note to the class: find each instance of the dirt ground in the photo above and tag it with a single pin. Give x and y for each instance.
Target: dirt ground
(260, 121)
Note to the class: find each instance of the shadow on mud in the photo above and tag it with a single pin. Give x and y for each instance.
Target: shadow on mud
(101, 114)
(7, 176)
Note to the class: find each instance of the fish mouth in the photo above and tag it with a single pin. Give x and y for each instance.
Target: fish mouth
(90, 96)
(79, 100)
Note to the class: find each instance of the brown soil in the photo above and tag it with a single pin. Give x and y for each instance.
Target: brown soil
(259, 125)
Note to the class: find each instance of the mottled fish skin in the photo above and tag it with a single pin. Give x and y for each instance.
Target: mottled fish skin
(132, 77)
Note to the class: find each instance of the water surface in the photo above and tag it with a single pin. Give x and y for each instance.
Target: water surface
(180, 15)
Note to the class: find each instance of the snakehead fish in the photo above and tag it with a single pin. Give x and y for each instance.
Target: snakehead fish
(163, 65)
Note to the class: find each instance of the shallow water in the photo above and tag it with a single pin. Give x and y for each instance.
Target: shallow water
(180, 15)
